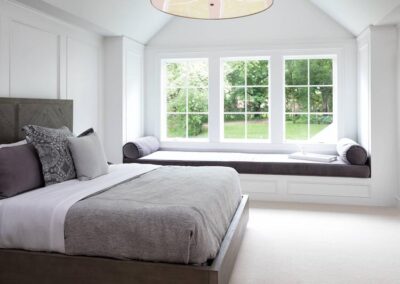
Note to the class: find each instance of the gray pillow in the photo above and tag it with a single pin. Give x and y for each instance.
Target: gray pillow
(141, 147)
(20, 170)
(89, 157)
(52, 147)
(352, 152)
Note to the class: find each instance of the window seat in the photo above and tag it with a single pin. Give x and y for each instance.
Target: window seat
(268, 164)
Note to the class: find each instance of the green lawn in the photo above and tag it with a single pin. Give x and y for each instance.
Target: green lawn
(256, 130)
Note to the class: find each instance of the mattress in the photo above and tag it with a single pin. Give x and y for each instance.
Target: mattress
(161, 214)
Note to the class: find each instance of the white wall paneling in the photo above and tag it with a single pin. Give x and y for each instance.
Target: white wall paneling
(133, 98)
(378, 128)
(34, 62)
(82, 83)
(43, 57)
(329, 190)
(364, 91)
(398, 108)
(123, 94)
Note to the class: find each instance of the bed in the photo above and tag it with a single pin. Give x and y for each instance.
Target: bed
(198, 231)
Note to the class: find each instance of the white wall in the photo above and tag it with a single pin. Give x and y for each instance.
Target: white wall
(123, 94)
(378, 109)
(293, 27)
(398, 106)
(42, 57)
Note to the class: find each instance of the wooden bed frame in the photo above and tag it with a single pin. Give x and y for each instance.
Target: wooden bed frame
(20, 267)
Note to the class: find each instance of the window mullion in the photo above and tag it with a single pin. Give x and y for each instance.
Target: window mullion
(245, 100)
(277, 99)
(187, 102)
(214, 100)
(309, 99)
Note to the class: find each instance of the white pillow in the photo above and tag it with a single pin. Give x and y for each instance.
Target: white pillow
(89, 157)
(22, 142)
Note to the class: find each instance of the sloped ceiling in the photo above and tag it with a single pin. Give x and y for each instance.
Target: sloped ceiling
(357, 15)
(136, 19)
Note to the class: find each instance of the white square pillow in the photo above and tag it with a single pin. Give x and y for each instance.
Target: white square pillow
(89, 157)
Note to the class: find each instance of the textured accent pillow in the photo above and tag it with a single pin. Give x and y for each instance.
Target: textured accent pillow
(89, 157)
(141, 147)
(20, 170)
(352, 152)
(52, 147)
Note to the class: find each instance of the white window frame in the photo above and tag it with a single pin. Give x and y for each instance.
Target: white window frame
(245, 113)
(164, 101)
(345, 101)
(309, 86)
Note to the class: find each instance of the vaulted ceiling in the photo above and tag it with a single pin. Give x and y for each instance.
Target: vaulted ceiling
(137, 19)
(357, 15)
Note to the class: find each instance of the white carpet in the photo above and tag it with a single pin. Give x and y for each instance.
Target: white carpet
(321, 244)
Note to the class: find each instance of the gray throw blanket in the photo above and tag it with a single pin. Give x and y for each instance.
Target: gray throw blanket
(172, 214)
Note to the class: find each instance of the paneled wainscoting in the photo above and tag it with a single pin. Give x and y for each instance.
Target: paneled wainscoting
(354, 191)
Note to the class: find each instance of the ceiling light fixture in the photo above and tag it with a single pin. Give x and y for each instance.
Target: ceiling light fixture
(212, 9)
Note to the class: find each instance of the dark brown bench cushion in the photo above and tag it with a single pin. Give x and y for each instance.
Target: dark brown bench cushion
(270, 164)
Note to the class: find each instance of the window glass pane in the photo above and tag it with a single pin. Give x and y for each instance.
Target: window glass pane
(257, 73)
(197, 73)
(175, 74)
(321, 99)
(186, 91)
(321, 127)
(234, 100)
(296, 72)
(198, 126)
(257, 99)
(176, 126)
(246, 99)
(197, 100)
(321, 71)
(234, 126)
(257, 126)
(234, 73)
(176, 100)
(296, 99)
(296, 127)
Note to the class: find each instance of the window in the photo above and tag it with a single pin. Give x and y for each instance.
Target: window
(309, 89)
(246, 98)
(185, 89)
(261, 101)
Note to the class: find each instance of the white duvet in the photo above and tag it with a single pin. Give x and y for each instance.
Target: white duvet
(35, 220)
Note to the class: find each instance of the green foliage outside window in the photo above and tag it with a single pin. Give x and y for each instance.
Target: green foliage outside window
(187, 99)
(246, 99)
(309, 97)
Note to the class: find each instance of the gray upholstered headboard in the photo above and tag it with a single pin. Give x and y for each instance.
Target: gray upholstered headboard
(16, 113)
